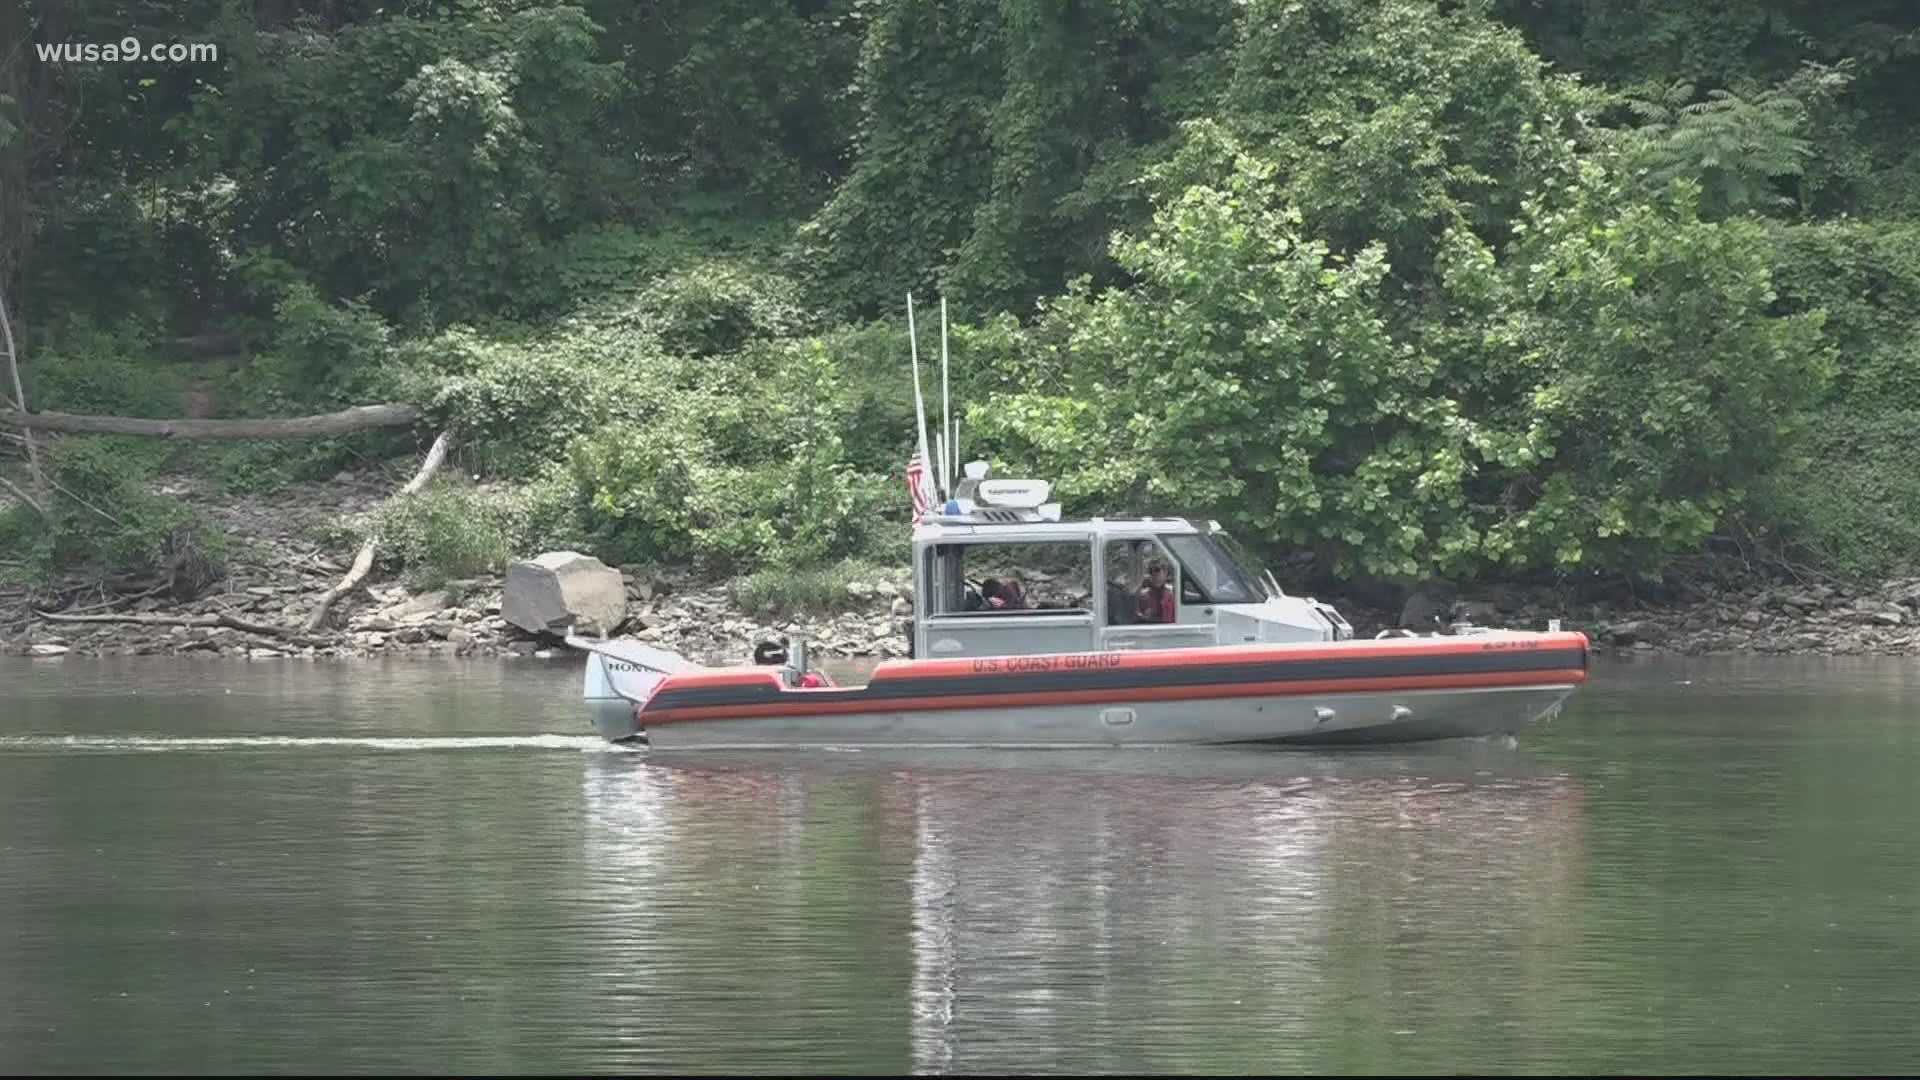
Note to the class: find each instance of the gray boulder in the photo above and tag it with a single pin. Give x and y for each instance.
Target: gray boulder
(561, 589)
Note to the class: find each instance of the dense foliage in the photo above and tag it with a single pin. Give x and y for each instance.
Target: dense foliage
(1415, 287)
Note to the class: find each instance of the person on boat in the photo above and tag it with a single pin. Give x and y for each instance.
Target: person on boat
(1003, 595)
(992, 597)
(772, 652)
(1014, 593)
(1153, 603)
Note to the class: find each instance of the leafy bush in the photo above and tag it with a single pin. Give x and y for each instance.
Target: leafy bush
(1657, 386)
(1598, 395)
(636, 488)
(91, 367)
(719, 306)
(525, 402)
(1849, 501)
(106, 521)
(733, 476)
(454, 529)
(1865, 278)
(1249, 368)
(810, 589)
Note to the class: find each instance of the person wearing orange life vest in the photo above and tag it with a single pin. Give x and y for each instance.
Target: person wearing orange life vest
(1153, 603)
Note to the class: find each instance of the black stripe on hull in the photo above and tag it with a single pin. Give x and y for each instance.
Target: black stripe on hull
(1140, 677)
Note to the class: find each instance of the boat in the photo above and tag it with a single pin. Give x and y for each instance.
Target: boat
(1241, 661)
(1030, 630)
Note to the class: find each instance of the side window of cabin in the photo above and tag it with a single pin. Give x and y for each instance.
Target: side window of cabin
(1125, 563)
(991, 579)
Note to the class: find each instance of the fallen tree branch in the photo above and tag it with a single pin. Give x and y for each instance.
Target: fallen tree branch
(23, 496)
(358, 418)
(221, 620)
(134, 599)
(363, 562)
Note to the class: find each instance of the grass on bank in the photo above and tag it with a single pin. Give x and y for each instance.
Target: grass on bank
(813, 589)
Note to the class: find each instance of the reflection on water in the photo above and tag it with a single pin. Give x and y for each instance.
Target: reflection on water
(1699, 868)
(1108, 912)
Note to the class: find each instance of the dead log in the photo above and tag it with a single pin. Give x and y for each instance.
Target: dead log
(221, 620)
(363, 562)
(19, 400)
(346, 421)
(23, 496)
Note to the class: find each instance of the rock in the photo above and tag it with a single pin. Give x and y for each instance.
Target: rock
(411, 635)
(1888, 617)
(459, 638)
(1420, 611)
(1752, 618)
(543, 654)
(1635, 630)
(441, 630)
(560, 589)
(48, 649)
(264, 654)
(425, 604)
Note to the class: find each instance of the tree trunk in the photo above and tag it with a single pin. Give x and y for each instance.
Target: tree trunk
(19, 400)
(363, 561)
(229, 621)
(346, 421)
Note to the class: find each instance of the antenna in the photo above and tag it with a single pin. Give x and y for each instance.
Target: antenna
(919, 405)
(940, 448)
(952, 448)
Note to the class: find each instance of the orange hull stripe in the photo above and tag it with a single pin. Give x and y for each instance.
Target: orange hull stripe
(826, 703)
(896, 671)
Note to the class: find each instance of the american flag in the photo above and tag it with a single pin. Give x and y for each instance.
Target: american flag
(919, 484)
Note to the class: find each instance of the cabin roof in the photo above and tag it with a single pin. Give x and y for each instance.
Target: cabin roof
(940, 530)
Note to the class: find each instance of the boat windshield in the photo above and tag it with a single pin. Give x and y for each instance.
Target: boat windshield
(1208, 566)
(1248, 566)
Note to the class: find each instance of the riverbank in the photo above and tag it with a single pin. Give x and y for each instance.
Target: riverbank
(281, 568)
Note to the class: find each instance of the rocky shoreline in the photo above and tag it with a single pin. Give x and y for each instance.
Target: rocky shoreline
(267, 595)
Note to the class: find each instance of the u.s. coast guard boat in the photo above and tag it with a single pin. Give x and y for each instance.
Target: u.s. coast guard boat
(1059, 662)
(1030, 630)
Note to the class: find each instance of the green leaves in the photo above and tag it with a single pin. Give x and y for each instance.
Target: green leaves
(1248, 370)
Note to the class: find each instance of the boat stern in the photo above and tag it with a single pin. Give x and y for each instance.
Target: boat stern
(619, 678)
(613, 716)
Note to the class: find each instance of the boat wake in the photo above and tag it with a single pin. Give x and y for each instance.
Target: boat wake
(586, 744)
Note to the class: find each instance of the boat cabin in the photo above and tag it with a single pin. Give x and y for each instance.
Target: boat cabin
(997, 573)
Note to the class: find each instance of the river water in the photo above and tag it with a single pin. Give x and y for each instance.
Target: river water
(1701, 866)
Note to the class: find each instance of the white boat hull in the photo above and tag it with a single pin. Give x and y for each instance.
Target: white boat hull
(1358, 718)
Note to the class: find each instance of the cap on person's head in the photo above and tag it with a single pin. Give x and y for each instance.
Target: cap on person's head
(769, 649)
